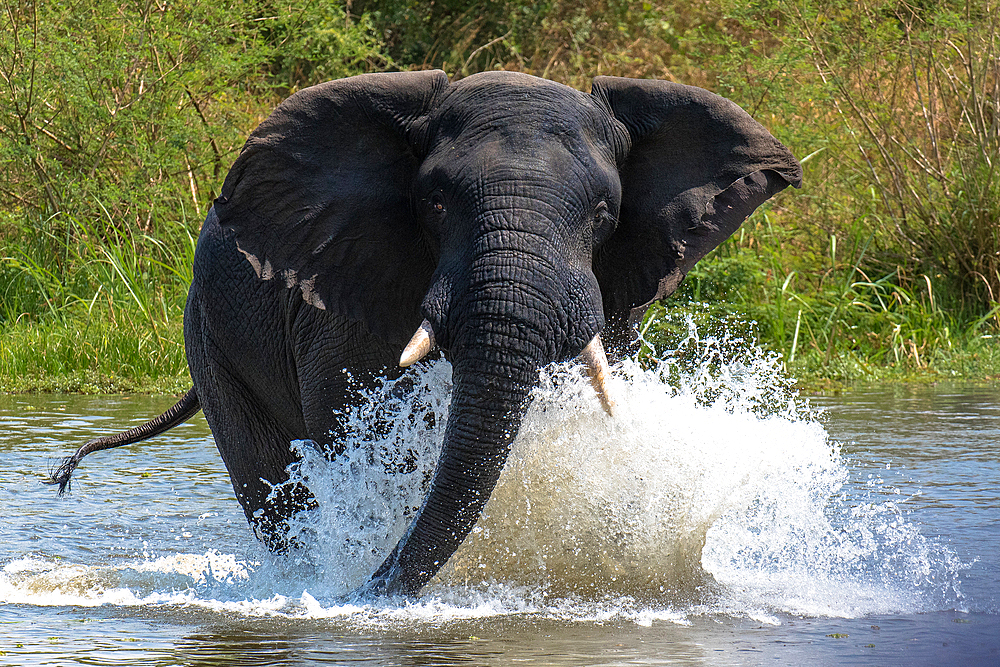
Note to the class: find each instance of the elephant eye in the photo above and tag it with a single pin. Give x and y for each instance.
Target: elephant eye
(604, 224)
(435, 204)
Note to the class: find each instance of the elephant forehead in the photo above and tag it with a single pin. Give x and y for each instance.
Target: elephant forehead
(519, 154)
(520, 111)
(494, 86)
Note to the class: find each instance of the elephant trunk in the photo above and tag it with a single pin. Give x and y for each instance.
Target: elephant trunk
(491, 387)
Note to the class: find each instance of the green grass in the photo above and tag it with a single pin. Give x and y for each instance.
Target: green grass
(107, 317)
(118, 123)
(94, 307)
(107, 351)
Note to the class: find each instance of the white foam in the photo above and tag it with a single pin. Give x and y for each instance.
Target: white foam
(168, 579)
(714, 490)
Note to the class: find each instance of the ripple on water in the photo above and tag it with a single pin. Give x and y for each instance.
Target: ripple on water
(714, 490)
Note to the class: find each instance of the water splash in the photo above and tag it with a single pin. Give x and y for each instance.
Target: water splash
(714, 490)
(369, 492)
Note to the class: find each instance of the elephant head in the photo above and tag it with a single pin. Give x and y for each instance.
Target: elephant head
(507, 219)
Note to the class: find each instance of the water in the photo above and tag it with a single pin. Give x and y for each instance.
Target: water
(717, 520)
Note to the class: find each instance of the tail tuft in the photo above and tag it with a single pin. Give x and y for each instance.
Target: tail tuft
(63, 474)
(183, 410)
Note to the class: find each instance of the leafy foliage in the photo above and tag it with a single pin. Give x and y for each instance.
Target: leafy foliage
(906, 101)
(119, 120)
(118, 123)
(569, 42)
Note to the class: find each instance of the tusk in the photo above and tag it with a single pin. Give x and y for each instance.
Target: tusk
(419, 345)
(596, 361)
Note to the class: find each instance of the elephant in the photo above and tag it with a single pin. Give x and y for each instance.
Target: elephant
(508, 220)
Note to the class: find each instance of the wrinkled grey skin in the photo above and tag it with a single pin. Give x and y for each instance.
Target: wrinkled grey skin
(518, 216)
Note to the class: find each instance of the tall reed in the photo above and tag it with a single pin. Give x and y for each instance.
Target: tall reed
(118, 122)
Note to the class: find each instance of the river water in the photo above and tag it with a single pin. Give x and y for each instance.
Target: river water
(718, 519)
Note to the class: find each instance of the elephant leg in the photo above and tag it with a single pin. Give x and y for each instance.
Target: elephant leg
(336, 361)
(256, 450)
(255, 444)
(270, 368)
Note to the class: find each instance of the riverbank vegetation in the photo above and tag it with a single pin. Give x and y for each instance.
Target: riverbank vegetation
(120, 120)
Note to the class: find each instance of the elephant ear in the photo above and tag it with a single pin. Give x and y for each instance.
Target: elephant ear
(319, 198)
(693, 167)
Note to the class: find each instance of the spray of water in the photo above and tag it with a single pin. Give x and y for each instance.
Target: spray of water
(369, 492)
(715, 489)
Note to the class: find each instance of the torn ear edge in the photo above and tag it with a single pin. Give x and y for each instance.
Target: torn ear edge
(724, 214)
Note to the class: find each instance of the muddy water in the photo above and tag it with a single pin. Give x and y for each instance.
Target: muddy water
(718, 519)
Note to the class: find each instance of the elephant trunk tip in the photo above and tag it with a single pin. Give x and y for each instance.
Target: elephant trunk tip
(389, 580)
(378, 587)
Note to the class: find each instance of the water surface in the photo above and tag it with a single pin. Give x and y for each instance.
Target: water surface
(718, 520)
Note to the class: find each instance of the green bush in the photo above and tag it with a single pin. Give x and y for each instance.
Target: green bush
(909, 107)
(569, 42)
(118, 123)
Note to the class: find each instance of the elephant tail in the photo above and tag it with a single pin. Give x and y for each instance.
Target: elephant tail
(183, 410)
